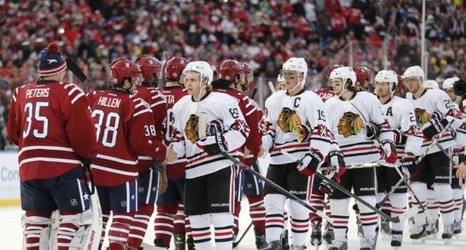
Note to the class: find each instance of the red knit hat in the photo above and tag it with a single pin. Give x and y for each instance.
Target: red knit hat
(51, 61)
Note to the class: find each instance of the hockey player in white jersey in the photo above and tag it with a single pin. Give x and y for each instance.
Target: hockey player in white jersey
(360, 128)
(399, 113)
(436, 115)
(208, 124)
(295, 122)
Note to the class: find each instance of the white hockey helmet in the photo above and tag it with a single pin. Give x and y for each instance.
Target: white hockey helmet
(387, 76)
(345, 73)
(448, 83)
(203, 68)
(413, 71)
(296, 64)
(430, 84)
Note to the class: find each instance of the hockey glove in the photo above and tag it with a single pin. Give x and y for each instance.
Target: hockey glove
(215, 142)
(458, 155)
(335, 176)
(372, 131)
(310, 162)
(304, 133)
(400, 137)
(408, 160)
(388, 151)
(436, 125)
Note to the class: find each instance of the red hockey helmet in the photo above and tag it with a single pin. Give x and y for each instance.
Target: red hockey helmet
(150, 67)
(121, 69)
(174, 68)
(363, 76)
(230, 70)
(331, 68)
(325, 93)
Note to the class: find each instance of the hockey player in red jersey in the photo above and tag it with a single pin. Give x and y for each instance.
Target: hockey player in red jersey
(437, 115)
(167, 221)
(125, 129)
(359, 126)
(399, 113)
(149, 179)
(231, 75)
(50, 122)
(295, 121)
(205, 130)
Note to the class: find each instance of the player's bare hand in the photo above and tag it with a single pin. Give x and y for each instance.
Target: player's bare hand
(170, 155)
(163, 182)
(461, 171)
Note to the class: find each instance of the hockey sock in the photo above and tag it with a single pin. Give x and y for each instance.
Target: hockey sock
(36, 230)
(257, 213)
(223, 228)
(340, 214)
(316, 201)
(179, 221)
(458, 199)
(399, 203)
(274, 216)
(119, 230)
(445, 200)
(200, 224)
(420, 190)
(236, 212)
(369, 218)
(163, 227)
(139, 226)
(299, 223)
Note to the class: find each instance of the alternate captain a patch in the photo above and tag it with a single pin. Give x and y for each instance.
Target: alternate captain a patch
(350, 124)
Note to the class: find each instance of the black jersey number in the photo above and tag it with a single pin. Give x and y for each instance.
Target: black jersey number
(234, 112)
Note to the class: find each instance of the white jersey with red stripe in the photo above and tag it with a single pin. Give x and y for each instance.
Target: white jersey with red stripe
(188, 115)
(348, 120)
(399, 113)
(285, 113)
(435, 100)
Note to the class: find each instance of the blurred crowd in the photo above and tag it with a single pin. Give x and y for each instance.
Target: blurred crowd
(374, 33)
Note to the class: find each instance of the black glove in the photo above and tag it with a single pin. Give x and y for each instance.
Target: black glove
(372, 131)
(215, 142)
(436, 126)
(400, 137)
(159, 166)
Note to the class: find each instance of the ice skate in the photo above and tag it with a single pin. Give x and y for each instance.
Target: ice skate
(338, 245)
(293, 247)
(190, 244)
(274, 245)
(285, 243)
(385, 230)
(329, 235)
(260, 239)
(457, 228)
(180, 242)
(316, 234)
(432, 230)
(368, 243)
(418, 234)
(397, 238)
(447, 234)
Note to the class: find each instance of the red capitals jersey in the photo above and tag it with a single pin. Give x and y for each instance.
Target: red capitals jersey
(51, 123)
(176, 169)
(325, 93)
(125, 129)
(158, 105)
(252, 117)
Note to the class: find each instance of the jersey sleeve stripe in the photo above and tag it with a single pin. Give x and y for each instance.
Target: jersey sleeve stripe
(142, 112)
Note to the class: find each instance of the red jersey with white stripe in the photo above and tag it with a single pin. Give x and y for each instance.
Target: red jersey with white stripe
(51, 123)
(158, 105)
(125, 129)
(176, 169)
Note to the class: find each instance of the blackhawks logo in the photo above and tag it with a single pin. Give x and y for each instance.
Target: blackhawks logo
(288, 120)
(350, 124)
(422, 117)
(191, 128)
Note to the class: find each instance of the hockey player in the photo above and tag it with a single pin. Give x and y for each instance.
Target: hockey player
(447, 86)
(231, 74)
(436, 115)
(360, 129)
(149, 181)
(295, 121)
(47, 120)
(169, 202)
(125, 129)
(203, 130)
(408, 138)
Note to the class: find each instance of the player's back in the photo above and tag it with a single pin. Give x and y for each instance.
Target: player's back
(48, 120)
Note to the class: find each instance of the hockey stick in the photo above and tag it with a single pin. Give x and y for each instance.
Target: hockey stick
(345, 191)
(434, 142)
(74, 68)
(276, 186)
(236, 243)
(392, 190)
(95, 232)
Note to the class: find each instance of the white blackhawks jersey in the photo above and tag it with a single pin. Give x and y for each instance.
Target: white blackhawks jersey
(285, 113)
(348, 120)
(213, 107)
(399, 113)
(435, 100)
